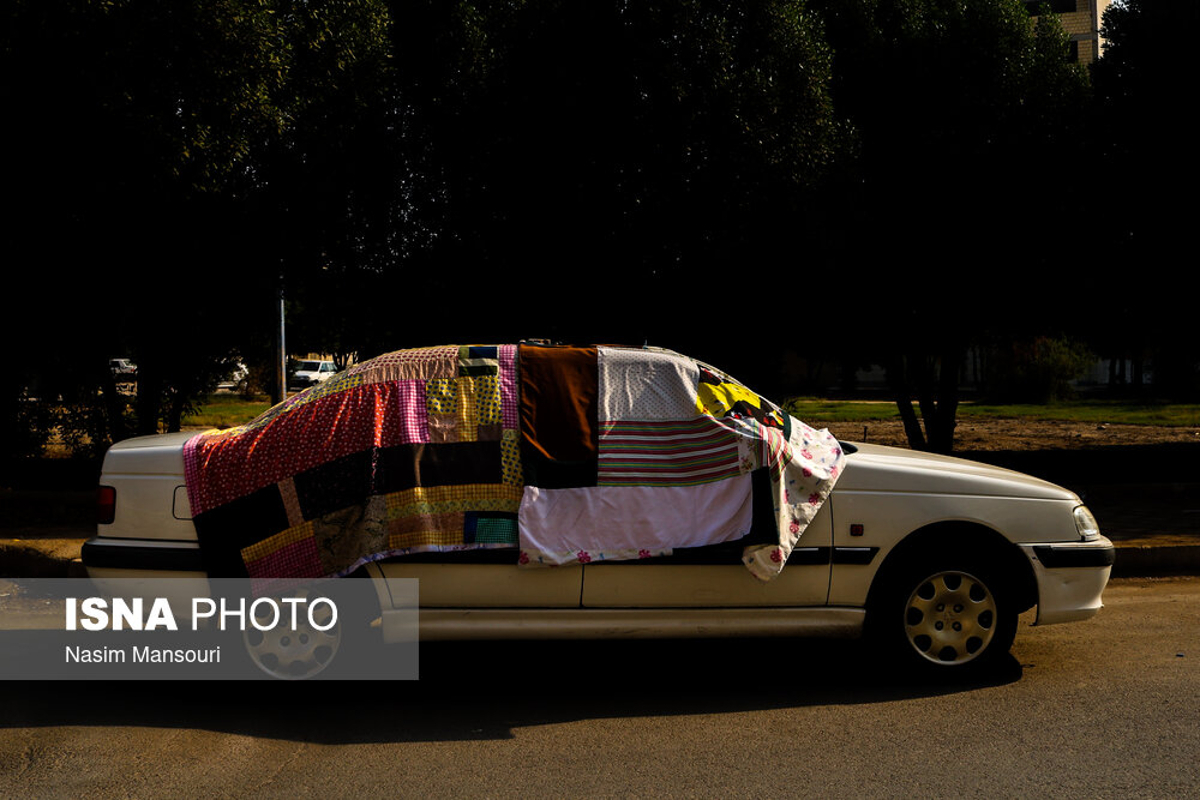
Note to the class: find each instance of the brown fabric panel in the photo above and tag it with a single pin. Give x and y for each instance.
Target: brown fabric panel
(559, 389)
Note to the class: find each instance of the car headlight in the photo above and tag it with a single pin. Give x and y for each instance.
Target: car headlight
(1086, 524)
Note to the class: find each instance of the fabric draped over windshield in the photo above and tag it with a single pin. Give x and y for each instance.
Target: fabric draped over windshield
(562, 454)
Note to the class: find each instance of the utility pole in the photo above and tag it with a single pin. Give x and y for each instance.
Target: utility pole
(280, 393)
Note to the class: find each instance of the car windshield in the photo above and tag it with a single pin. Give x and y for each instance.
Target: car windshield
(308, 366)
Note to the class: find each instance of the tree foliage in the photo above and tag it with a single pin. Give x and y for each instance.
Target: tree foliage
(964, 111)
(1148, 164)
(139, 229)
(590, 153)
(1036, 369)
(702, 175)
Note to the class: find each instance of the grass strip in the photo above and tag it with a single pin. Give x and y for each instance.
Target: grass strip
(1115, 412)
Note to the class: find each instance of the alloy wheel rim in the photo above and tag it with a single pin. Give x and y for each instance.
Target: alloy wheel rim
(950, 618)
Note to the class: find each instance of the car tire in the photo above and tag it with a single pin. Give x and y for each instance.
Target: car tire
(300, 653)
(345, 649)
(944, 617)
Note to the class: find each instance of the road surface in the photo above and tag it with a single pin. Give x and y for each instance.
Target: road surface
(1104, 708)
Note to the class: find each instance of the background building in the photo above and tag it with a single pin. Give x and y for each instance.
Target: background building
(1081, 19)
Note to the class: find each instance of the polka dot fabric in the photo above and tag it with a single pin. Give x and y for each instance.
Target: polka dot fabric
(227, 465)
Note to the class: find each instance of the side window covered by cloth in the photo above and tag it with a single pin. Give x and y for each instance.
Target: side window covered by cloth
(559, 392)
(675, 443)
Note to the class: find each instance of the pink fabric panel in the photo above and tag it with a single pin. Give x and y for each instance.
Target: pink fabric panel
(414, 418)
(296, 560)
(509, 409)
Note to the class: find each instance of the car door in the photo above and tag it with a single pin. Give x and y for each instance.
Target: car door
(486, 579)
(714, 576)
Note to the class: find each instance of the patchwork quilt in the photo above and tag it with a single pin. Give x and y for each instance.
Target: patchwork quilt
(563, 454)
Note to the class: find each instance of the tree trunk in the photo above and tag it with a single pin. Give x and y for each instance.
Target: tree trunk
(936, 388)
(114, 407)
(941, 434)
(897, 379)
(175, 412)
(149, 397)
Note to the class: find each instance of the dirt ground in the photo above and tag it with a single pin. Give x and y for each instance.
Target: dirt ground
(1008, 434)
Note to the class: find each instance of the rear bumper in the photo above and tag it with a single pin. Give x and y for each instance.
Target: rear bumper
(1071, 577)
(106, 557)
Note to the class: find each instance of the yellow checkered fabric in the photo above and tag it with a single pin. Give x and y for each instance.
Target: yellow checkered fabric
(280, 540)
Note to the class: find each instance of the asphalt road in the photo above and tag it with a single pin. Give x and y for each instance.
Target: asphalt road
(1104, 708)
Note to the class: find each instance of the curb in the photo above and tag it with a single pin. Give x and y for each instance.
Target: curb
(28, 560)
(1149, 561)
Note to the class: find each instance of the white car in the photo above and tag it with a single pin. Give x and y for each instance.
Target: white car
(933, 556)
(311, 372)
(123, 368)
(235, 379)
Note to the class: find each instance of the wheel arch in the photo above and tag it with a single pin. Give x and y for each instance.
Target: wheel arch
(970, 538)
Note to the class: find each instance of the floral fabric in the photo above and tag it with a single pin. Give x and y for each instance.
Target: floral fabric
(676, 437)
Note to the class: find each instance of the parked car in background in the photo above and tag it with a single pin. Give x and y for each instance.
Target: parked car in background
(309, 373)
(235, 380)
(123, 369)
(661, 497)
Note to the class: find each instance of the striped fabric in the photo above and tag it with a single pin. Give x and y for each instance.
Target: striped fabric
(667, 453)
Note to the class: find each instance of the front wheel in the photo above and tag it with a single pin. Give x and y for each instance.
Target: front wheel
(945, 619)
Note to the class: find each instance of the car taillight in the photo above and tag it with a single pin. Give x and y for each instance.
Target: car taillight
(106, 505)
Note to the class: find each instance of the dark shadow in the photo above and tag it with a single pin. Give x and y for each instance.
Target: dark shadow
(485, 690)
(1179, 461)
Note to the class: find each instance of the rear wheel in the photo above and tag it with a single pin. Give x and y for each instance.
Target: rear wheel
(297, 653)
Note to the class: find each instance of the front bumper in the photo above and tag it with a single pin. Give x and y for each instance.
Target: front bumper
(1071, 577)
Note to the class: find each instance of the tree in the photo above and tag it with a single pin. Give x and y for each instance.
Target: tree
(661, 152)
(136, 121)
(141, 228)
(963, 110)
(334, 185)
(1147, 164)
